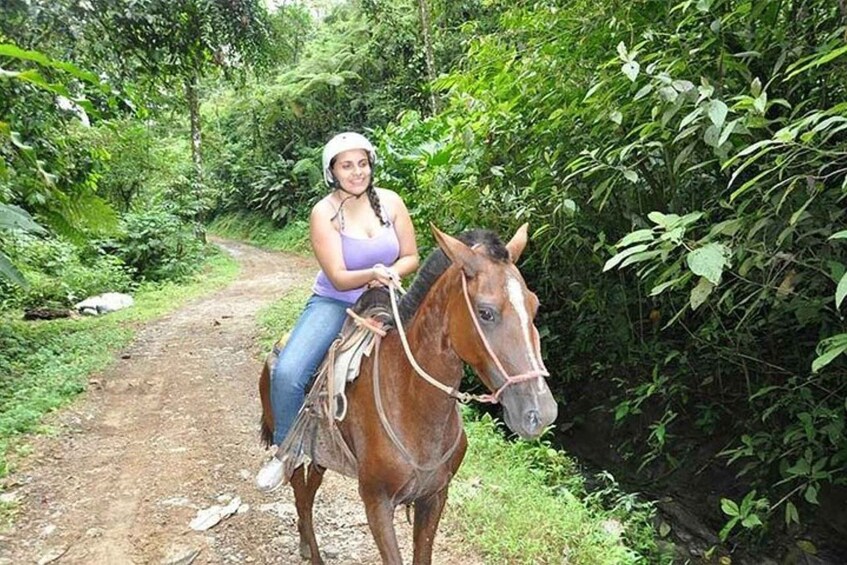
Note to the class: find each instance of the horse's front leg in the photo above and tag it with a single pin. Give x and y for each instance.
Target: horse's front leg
(380, 512)
(427, 515)
(305, 486)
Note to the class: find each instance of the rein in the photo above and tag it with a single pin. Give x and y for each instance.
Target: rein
(386, 425)
(463, 397)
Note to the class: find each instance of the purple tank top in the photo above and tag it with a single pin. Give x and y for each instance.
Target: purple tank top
(360, 253)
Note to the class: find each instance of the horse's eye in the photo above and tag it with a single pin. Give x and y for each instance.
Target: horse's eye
(486, 314)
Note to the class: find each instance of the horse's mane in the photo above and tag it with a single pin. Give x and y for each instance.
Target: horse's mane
(437, 262)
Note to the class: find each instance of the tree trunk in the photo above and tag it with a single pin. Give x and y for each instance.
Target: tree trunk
(194, 113)
(196, 151)
(428, 54)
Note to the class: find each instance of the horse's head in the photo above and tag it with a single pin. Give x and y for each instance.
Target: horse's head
(491, 328)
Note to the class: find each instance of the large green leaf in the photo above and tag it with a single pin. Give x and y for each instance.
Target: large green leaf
(717, 113)
(635, 237)
(816, 61)
(841, 291)
(15, 52)
(32, 76)
(831, 348)
(701, 292)
(611, 263)
(709, 261)
(9, 272)
(13, 217)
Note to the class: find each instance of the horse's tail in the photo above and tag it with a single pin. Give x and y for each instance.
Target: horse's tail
(267, 420)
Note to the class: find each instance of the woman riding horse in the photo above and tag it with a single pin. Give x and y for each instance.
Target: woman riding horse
(362, 236)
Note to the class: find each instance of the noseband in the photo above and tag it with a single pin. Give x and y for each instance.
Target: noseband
(510, 380)
(455, 393)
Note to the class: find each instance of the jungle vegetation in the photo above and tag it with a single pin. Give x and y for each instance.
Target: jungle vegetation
(682, 165)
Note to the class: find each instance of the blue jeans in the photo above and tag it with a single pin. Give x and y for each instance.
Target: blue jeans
(313, 333)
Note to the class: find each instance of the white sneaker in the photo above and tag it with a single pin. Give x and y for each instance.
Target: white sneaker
(270, 476)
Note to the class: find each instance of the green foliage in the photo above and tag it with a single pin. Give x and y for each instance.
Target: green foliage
(362, 68)
(526, 503)
(43, 366)
(176, 40)
(747, 513)
(708, 140)
(433, 169)
(60, 273)
(291, 26)
(157, 245)
(175, 44)
(131, 160)
(123, 163)
(753, 246)
(42, 170)
(259, 155)
(13, 218)
(260, 231)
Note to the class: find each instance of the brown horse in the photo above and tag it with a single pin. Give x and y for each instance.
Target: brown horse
(468, 304)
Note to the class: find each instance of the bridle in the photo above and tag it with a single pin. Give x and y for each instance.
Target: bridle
(464, 397)
(393, 288)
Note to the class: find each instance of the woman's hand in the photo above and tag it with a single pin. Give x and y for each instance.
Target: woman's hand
(383, 276)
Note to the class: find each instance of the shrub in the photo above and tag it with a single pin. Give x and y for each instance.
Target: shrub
(60, 273)
(157, 245)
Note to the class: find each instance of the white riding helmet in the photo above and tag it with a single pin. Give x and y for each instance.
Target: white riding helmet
(341, 143)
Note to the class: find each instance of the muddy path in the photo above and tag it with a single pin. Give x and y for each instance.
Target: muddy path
(170, 428)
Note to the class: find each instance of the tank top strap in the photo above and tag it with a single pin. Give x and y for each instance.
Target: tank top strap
(339, 213)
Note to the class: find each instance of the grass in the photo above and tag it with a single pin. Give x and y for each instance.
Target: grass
(44, 365)
(278, 318)
(262, 232)
(524, 502)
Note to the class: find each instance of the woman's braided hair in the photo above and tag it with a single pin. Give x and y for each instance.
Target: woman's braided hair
(373, 198)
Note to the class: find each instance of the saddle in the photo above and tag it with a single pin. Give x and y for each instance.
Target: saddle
(314, 435)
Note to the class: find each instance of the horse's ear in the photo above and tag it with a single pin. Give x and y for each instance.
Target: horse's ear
(517, 244)
(457, 251)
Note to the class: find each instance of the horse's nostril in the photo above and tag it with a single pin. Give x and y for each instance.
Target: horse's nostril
(533, 420)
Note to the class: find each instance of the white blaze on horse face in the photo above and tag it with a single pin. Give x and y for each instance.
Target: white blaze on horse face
(515, 292)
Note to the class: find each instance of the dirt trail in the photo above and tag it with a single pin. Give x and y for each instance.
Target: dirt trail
(171, 428)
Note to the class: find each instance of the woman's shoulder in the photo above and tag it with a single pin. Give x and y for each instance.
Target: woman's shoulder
(388, 195)
(323, 209)
(324, 205)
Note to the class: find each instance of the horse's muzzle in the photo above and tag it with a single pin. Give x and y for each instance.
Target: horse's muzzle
(529, 416)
